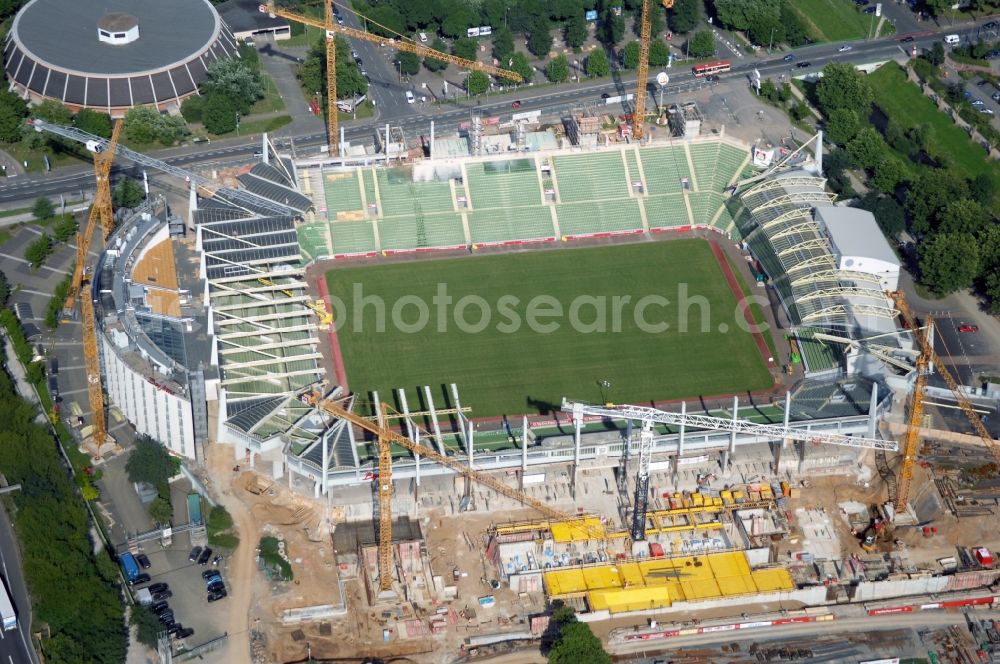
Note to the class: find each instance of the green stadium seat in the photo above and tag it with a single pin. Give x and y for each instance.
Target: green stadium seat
(585, 177)
(510, 224)
(493, 186)
(667, 211)
(599, 217)
(352, 237)
(664, 167)
(428, 231)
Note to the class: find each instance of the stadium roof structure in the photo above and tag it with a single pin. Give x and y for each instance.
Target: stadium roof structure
(855, 233)
(784, 235)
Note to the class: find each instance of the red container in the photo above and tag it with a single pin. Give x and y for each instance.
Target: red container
(655, 550)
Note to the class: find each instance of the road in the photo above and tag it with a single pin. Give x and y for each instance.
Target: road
(415, 119)
(852, 625)
(14, 646)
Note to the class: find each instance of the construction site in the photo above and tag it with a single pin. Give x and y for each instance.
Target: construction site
(862, 479)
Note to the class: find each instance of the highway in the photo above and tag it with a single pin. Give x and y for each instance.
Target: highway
(415, 119)
(14, 646)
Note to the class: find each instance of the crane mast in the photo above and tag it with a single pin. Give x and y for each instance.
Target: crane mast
(639, 117)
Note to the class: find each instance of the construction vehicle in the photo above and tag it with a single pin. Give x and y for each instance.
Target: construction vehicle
(318, 307)
(928, 357)
(399, 42)
(378, 425)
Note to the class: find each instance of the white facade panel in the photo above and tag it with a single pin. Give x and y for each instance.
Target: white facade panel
(888, 273)
(152, 410)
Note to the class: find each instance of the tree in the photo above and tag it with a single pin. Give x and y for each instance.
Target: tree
(558, 69)
(42, 209)
(540, 36)
(656, 20)
(611, 29)
(842, 125)
(64, 228)
(889, 172)
(503, 45)
(236, 79)
(866, 148)
(927, 197)
(630, 55)
(193, 108)
(936, 55)
(220, 114)
(887, 212)
(964, 216)
(949, 262)
(144, 125)
(389, 16)
(659, 53)
(52, 111)
(458, 20)
(597, 63)
(312, 72)
(409, 63)
(433, 64)
(38, 250)
(701, 44)
(147, 625)
(523, 67)
(150, 462)
(766, 29)
(13, 110)
(465, 47)
(4, 290)
(843, 86)
(477, 83)
(93, 122)
(796, 33)
(981, 188)
(575, 642)
(576, 31)
(128, 194)
(684, 16)
(739, 14)
(160, 510)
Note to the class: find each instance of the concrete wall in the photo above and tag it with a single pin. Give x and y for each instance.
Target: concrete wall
(811, 596)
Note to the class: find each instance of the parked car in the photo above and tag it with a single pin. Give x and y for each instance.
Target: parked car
(142, 578)
(843, 49)
(209, 573)
(195, 552)
(409, 97)
(158, 607)
(165, 594)
(870, 10)
(995, 96)
(990, 25)
(605, 95)
(143, 561)
(712, 78)
(907, 39)
(967, 327)
(789, 57)
(978, 102)
(516, 104)
(206, 554)
(216, 596)
(184, 633)
(987, 111)
(158, 587)
(166, 616)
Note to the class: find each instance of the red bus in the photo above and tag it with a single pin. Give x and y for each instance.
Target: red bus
(709, 68)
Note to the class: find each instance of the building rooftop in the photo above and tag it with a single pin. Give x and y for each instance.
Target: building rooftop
(64, 34)
(854, 232)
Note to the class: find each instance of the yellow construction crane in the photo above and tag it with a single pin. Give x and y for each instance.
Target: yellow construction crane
(668, 4)
(929, 356)
(386, 438)
(100, 212)
(400, 42)
(639, 116)
(318, 307)
(912, 443)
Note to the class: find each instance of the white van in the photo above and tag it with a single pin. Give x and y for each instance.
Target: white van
(423, 37)
(951, 40)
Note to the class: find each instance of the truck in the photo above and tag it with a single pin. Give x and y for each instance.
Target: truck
(7, 610)
(129, 566)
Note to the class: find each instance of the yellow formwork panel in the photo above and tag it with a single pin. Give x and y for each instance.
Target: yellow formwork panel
(735, 585)
(772, 579)
(700, 589)
(598, 578)
(565, 582)
(631, 575)
(628, 599)
(580, 530)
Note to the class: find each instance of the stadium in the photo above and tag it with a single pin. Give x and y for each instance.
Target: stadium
(114, 55)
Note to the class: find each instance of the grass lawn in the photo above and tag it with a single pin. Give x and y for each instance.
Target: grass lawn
(35, 158)
(833, 20)
(258, 126)
(513, 369)
(905, 105)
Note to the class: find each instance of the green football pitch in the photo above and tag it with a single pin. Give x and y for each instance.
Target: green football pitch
(510, 352)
